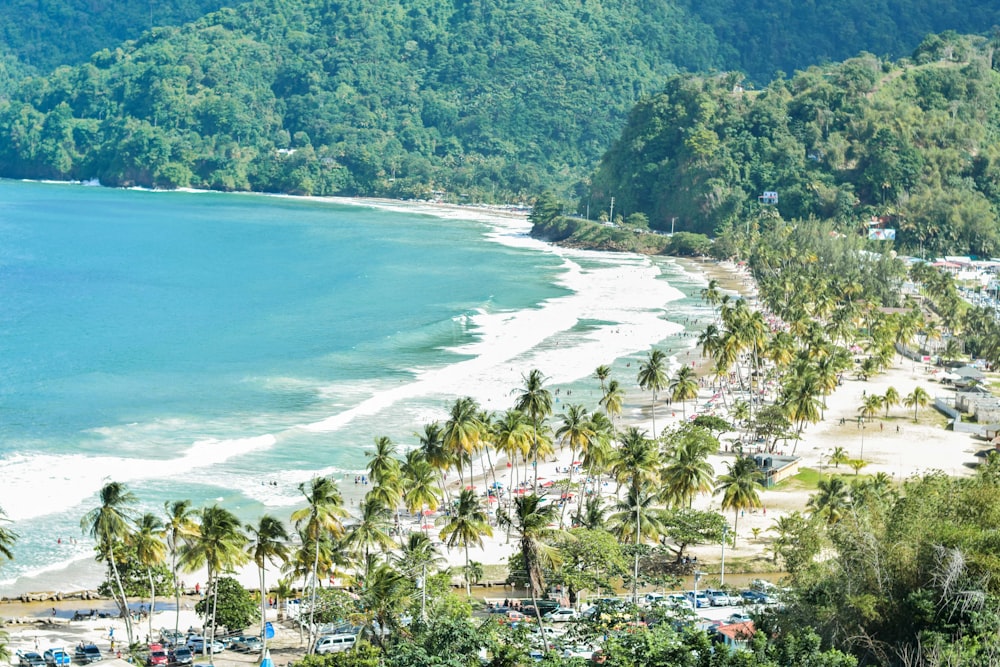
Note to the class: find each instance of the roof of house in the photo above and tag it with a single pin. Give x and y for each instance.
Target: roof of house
(737, 631)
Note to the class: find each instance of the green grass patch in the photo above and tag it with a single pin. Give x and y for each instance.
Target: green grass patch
(807, 478)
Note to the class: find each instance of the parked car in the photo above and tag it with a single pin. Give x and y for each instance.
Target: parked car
(246, 643)
(170, 637)
(199, 644)
(721, 598)
(157, 655)
(180, 655)
(698, 599)
(30, 659)
(653, 599)
(739, 617)
(757, 597)
(87, 653)
(56, 657)
(561, 615)
(335, 643)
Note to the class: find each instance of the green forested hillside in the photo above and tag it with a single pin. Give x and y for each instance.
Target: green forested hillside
(45, 34)
(482, 98)
(762, 37)
(917, 143)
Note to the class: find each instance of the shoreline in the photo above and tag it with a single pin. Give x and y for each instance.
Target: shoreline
(82, 573)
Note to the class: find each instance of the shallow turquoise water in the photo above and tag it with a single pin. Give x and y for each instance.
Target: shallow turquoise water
(204, 345)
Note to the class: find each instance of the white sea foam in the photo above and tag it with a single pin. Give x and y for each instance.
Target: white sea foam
(619, 294)
(68, 480)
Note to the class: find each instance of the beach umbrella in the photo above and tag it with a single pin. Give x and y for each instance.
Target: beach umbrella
(267, 662)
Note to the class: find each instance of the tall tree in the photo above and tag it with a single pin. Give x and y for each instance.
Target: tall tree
(531, 521)
(687, 471)
(739, 488)
(218, 548)
(535, 401)
(108, 524)
(683, 385)
(918, 398)
(466, 526)
(653, 378)
(321, 517)
(268, 543)
(150, 551)
(463, 433)
(577, 431)
(180, 527)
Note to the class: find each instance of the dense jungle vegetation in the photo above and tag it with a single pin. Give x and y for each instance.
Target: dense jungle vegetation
(913, 142)
(480, 98)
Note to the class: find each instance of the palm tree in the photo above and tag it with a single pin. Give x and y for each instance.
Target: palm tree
(382, 462)
(268, 542)
(636, 520)
(150, 551)
(578, 432)
(536, 402)
(513, 435)
(108, 524)
(372, 530)
(687, 471)
(870, 405)
(463, 433)
(434, 450)
(384, 596)
(319, 518)
(635, 462)
(739, 487)
(830, 500)
(283, 590)
(180, 527)
(918, 398)
(7, 537)
(653, 377)
(532, 520)
(683, 385)
(602, 373)
(838, 456)
(218, 548)
(466, 526)
(612, 400)
(711, 294)
(889, 399)
(420, 489)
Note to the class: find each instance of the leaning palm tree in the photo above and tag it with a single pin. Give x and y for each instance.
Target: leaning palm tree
(108, 524)
(577, 431)
(463, 433)
(683, 385)
(532, 522)
(150, 551)
(7, 538)
(268, 542)
(466, 526)
(536, 402)
(218, 548)
(181, 528)
(613, 400)
(739, 487)
(653, 378)
(918, 398)
(319, 518)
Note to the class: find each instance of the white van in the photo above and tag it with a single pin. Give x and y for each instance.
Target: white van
(335, 643)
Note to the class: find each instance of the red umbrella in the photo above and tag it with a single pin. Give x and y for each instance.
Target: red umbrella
(428, 512)
(427, 526)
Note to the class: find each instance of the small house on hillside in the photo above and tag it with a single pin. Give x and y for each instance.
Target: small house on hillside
(736, 636)
(776, 467)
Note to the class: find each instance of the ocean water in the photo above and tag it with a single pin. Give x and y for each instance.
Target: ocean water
(204, 345)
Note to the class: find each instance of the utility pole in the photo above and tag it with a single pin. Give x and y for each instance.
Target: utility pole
(611, 216)
(672, 221)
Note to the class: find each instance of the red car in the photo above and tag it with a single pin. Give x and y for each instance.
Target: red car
(157, 655)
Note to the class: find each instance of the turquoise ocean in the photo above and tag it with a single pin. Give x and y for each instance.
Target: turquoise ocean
(226, 347)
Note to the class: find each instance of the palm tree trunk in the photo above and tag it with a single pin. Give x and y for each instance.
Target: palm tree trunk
(263, 616)
(562, 515)
(736, 523)
(152, 604)
(215, 608)
(652, 413)
(312, 602)
(177, 591)
(121, 591)
(468, 579)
